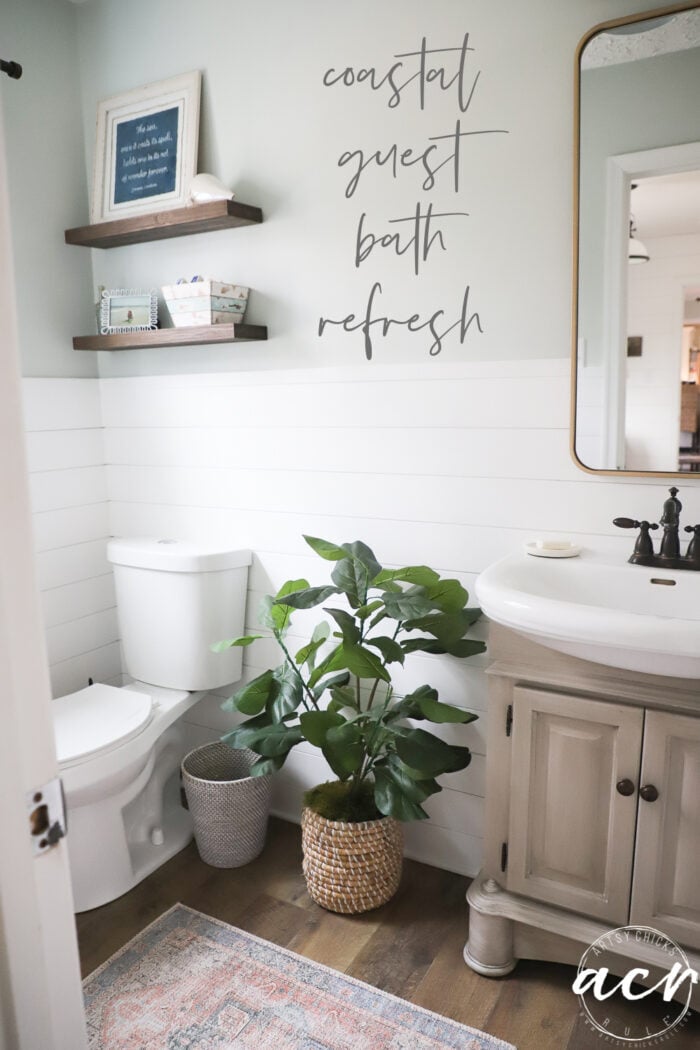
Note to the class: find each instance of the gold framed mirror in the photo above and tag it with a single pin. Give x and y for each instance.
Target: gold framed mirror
(636, 318)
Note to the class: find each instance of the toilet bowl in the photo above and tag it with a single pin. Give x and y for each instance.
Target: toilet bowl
(119, 749)
(119, 754)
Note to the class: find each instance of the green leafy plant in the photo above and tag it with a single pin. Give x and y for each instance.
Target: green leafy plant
(336, 691)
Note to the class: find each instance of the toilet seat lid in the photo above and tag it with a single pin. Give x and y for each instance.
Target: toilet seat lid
(97, 719)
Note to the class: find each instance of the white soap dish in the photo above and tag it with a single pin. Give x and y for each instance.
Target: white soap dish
(552, 549)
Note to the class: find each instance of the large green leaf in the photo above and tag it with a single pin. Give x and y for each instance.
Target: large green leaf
(334, 661)
(415, 789)
(352, 577)
(447, 627)
(273, 613)
(465, 647)
(462, 648)
(428, 754)
(366, 610)
(362, 553)
(252, 698)
(448, 595)
(392, 801)
(278, 741)
(342, 696)
(307, 653)
(271, 741)
(289, 692)
(419, 574)
(337, 678)
(364, 664)
(306, 598)
(329, 551)
(344, 749)
(422, 644)
(436, 711)
(315, 725)
(427, 692)
(230, 643)
(409, 706)
(409, 604)
(348, 626)
(388, 647)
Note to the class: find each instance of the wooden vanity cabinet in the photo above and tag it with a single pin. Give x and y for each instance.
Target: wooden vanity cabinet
(666, 879)
(592, 809)
(571, 832)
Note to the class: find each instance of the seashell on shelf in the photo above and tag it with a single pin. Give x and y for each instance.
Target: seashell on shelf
(206, 187)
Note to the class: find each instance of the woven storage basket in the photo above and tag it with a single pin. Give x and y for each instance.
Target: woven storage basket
(351, 868)
(229, 807)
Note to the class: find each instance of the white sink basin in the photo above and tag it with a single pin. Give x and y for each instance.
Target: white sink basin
(598, 608)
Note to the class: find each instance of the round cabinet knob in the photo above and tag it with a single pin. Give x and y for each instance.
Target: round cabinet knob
(649, 793)
(625, 787)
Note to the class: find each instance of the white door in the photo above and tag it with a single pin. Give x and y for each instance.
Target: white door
(666, 886)
(40, 993)
(573, 802)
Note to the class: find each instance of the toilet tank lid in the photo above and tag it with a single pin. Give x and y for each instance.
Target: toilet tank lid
(169, 555)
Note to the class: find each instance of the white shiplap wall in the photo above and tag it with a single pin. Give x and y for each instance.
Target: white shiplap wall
(65, 451)
(450, 465)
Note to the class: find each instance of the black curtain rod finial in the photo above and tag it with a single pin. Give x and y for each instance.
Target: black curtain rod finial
(13, 69)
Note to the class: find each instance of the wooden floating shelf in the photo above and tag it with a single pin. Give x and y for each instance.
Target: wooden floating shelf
(179, 222)
(165, 337)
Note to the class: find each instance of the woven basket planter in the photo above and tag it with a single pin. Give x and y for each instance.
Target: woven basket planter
(229, 807)
(351, 868)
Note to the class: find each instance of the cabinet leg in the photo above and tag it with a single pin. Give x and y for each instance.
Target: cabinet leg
(489, 949)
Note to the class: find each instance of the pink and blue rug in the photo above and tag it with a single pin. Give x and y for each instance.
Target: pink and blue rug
(189, 982)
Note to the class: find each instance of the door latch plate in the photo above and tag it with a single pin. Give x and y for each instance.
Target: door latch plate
(46, 810)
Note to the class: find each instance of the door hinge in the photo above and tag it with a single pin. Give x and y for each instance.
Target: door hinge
(509, 719)
(504, 856)
(46, 808)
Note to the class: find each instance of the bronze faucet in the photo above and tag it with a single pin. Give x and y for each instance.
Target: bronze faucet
(669, 556)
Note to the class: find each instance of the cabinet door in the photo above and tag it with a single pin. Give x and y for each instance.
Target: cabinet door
(571, 833)
(666, 885)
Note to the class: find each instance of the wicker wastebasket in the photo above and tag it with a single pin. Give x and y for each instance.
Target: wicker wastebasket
(229, 807)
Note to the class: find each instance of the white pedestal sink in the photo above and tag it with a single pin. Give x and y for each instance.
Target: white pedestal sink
(598, 608)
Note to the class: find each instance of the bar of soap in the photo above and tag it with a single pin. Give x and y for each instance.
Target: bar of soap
(554, 545)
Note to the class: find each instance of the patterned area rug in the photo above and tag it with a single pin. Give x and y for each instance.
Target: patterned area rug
(189, 982)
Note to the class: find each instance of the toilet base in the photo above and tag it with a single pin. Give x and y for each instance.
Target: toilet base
(127, 864)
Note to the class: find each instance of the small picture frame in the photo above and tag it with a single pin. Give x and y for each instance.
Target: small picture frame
(146, 148)
(128, 310)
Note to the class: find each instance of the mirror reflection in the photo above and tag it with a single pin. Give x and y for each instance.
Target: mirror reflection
(637, 342)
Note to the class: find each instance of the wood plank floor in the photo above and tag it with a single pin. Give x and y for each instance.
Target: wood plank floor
(411, 947)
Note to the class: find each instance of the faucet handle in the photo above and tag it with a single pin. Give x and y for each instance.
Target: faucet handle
(630, 523)
(693, 552)
(643, 548)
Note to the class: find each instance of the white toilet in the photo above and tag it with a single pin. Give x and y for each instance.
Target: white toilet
(119, 750)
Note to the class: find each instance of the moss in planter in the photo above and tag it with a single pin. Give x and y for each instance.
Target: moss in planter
(335, 800)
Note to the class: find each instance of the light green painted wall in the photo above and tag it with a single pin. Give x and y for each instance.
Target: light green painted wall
(47, 182)
(274, 133)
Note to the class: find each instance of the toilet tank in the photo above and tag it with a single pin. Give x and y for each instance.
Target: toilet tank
(174, 599)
